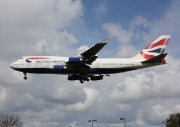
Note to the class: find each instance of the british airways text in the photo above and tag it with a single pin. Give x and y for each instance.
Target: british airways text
(51, 61)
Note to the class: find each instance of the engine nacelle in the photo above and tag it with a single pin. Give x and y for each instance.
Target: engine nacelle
(74, 60)
(73, 77)
(59, 68)
(94, 78)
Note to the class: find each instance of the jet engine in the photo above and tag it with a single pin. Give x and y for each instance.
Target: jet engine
(94, 78)
(74, 60)
(59, 68)
(73, 77)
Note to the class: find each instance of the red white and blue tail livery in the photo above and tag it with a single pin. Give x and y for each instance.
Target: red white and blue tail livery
(87, 66)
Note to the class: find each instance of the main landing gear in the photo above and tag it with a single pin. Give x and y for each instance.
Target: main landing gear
(83, 78)
(25, 77)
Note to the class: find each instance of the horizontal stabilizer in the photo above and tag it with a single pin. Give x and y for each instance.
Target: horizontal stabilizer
(155, 59)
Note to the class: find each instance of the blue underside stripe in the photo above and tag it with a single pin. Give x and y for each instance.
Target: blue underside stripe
(92, 70)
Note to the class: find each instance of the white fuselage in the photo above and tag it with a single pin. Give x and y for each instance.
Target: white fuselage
(87, 66)
(44, 64)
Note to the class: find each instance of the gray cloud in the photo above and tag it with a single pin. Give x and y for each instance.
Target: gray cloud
(24, 24)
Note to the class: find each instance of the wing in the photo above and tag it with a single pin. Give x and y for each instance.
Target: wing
(81, 64)
(90, 55)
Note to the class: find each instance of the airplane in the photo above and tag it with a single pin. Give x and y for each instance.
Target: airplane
(87, 66)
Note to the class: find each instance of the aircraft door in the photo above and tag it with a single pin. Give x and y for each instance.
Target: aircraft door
(97, 65)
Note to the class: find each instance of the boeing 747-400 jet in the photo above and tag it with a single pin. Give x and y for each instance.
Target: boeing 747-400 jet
(87, 66)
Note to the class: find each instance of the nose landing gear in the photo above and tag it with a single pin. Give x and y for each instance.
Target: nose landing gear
(25, 77)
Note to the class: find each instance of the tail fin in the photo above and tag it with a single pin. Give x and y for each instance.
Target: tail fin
(155, 49)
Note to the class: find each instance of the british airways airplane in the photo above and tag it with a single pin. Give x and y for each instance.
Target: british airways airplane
(87, 66)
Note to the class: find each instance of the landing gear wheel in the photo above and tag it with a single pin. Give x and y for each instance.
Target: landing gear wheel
(81, 81)
(25, 77)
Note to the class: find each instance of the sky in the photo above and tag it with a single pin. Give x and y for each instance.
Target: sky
(144, 97)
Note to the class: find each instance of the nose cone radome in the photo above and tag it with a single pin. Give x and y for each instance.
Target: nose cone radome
(12, 66)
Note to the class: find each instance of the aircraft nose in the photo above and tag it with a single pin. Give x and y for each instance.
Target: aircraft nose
(12, 66)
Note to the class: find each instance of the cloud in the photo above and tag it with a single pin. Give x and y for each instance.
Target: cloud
(149, 83)
(36, 28)
(145, 97)
(127, 36)
(116, 30)
(45, 14)
(151, 91)
(25, 23)
(99, 11)
(55, 43)
(149, 95)
(91, 97)
(101, 8)
(82, 49)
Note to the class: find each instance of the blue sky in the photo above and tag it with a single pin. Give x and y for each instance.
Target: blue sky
(65, 27)
(97, 13)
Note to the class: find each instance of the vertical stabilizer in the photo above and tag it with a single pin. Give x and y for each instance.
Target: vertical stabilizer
(156, 48)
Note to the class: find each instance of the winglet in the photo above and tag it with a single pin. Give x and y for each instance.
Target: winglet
(106, 40)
